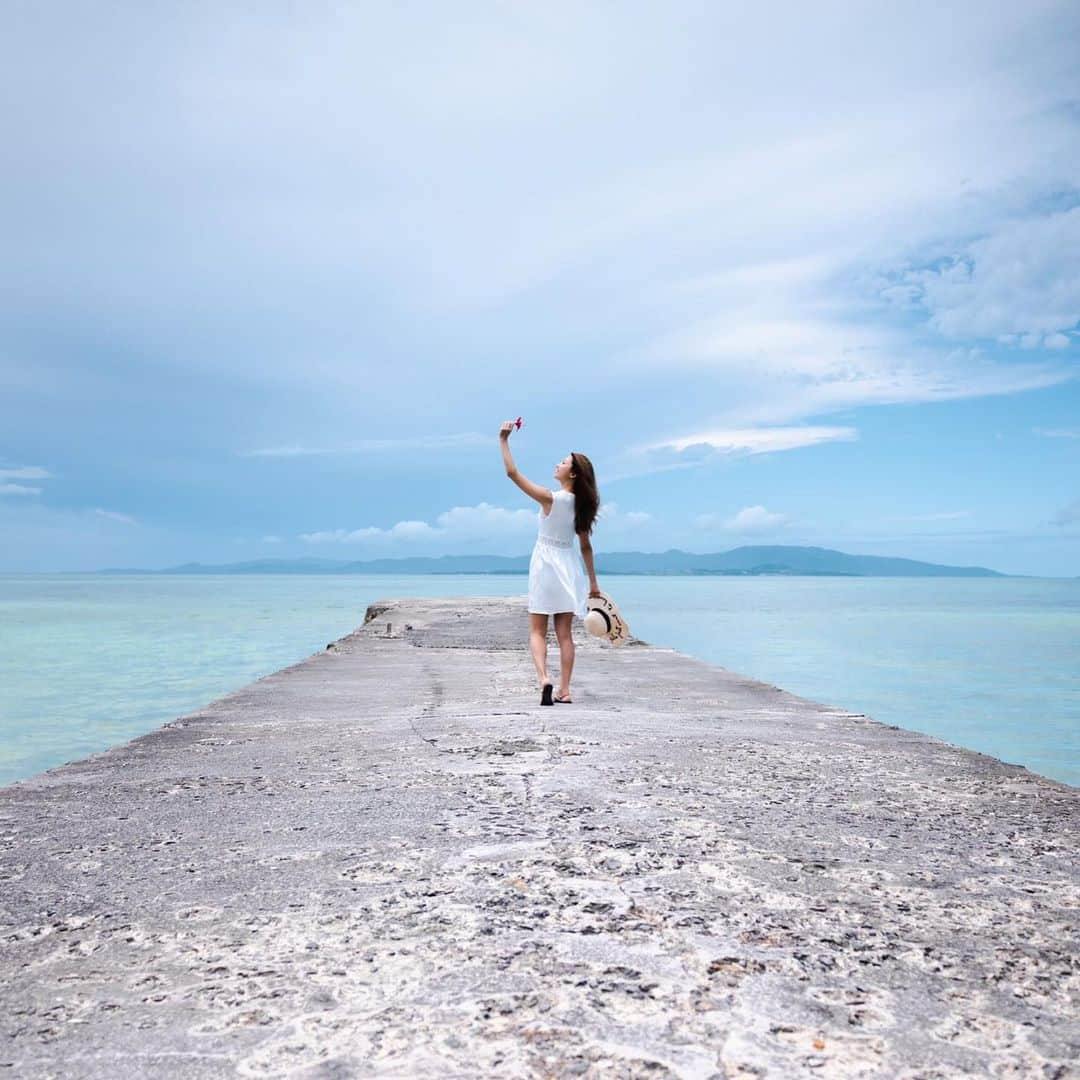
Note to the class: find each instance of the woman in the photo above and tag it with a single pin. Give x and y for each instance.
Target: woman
(557, 583)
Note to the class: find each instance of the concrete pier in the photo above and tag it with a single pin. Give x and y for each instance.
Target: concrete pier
(390, 860)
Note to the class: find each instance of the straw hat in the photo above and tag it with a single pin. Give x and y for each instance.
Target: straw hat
(603, 620)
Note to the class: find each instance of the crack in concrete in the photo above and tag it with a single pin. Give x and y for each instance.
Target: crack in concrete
(436, 695)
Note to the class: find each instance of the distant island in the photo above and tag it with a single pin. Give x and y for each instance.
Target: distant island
(740, 561)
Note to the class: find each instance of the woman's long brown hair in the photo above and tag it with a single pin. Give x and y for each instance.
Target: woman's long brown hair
(586, 496)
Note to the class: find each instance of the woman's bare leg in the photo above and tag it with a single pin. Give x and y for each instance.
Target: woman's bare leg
(538, 646)
(564, 635)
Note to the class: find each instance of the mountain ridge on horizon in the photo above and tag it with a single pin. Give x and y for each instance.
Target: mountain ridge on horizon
(747, 560)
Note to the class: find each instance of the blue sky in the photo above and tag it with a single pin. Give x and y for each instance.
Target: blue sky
(274, 275)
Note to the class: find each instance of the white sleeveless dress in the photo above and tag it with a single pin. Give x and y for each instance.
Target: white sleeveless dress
(557, 579)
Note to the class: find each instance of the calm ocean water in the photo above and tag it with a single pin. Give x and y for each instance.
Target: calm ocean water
(88, 661)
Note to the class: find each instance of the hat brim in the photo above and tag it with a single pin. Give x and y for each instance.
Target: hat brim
(618, 631)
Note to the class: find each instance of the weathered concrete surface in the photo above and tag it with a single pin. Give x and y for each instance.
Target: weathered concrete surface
(389, 859)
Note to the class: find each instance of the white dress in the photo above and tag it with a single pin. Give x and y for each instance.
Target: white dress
(557, 580)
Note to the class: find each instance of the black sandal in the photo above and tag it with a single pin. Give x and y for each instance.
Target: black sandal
(545, 694)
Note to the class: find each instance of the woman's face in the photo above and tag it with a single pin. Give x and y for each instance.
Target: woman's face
(564, 468)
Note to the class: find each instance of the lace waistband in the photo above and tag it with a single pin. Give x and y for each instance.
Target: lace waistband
(554, 542)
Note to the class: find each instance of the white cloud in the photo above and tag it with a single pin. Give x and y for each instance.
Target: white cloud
(749, 520)
(610, 511)
(482, 519)
(114, 515)
(18, 489)
(1020, 284)
(270, 539)
(616, 523)
(466, 527)
(346, 536)
(411, 530)
(482, 522)
(1059, 433)
(690, 451)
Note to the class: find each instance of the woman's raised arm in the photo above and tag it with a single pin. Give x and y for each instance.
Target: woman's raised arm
(541, 494)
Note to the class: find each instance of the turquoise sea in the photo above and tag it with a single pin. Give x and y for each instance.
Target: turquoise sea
(88, 661)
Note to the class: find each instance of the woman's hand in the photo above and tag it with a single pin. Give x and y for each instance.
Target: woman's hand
(504, 431)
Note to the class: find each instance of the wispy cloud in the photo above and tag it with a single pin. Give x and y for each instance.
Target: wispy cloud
(10, 473)
(755, 440)
(747, 339)
(114, 515)
(1059, 433)
(375, 446)
(765, 370)
(948, 515)
(693, 450)
(24, 472)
